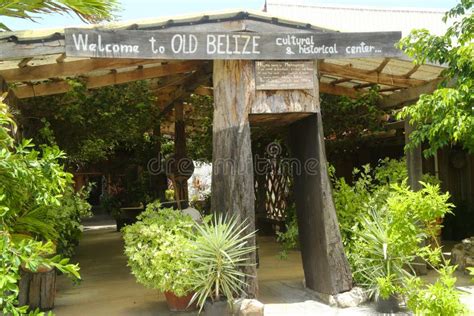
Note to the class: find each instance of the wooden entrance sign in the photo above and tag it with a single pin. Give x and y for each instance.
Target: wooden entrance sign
(228, 45)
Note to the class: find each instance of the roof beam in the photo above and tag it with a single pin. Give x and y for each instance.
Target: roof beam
(368, 75)
(51, 88)
(337, 90)
(407, 96)
(69, 69)
(382, 65)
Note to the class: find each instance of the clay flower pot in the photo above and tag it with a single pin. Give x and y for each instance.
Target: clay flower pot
(179, 303)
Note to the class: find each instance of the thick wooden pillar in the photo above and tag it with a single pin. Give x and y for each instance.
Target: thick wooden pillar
(414, 160)
(232, 174)
(325, 265)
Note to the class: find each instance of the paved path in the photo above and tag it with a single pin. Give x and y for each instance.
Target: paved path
(108, 288)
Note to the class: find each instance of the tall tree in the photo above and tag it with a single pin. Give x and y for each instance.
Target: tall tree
(446, 116)
(88, 10)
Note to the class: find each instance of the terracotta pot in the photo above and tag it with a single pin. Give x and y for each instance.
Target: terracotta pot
(179, 303)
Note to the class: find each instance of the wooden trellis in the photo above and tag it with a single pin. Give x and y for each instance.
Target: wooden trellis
(273, 187)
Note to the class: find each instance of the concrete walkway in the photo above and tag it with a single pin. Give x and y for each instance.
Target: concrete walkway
(108, 288)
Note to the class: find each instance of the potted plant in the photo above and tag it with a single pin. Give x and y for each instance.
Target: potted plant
(220, 254)
(158, 247)
(383, 267)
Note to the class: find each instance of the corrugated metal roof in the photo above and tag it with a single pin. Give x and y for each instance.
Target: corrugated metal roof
(359, 19)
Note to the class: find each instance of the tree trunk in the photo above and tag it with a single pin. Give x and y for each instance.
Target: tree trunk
(232, 174)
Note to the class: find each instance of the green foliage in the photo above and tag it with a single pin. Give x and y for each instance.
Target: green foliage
(32, 186)
(447, 115)
(94, 125)
(471, 272)
(74, 207)
(440, 298)
(289, 239)
(30, 255)
(220, 255)
(88, 10)
(347, 120)
(199, 126)
(159, 247)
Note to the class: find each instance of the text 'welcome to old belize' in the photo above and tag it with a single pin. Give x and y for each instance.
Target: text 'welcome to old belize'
(258, 46)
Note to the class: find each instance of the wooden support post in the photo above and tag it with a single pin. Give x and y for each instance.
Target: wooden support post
(159, 179)
(325, 265)
(180, 182)
(414, 160)
(232, 174)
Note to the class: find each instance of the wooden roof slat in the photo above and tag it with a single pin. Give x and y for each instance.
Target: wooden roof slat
(412, 71)
(382, 65)
(410, 95)
(341, 80)
(108, 79)
(24, 62)
(368, 76)
(69, 69)
(61, 58)
(337, 90)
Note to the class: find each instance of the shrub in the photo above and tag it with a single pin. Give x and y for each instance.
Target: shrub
(220, 255)
(158, 248)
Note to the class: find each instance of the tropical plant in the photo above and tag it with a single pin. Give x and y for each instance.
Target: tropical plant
(159, 248)
(446, 116)
(220, 254)
(439, 298)
(32, 183)
(87, 10)
(74, 207)
(28, 254)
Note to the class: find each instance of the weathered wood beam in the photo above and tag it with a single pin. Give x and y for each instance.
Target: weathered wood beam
(407, 96)
(325, 265)
(51, 88)
(382, 65)
(24, 62)
(199, 77)
(338, 90)
(61, 58)
(364, 85)
(201, 90)
(412, 71)
(232, 167)
(341, 80)
(368, 76)
(69, 69)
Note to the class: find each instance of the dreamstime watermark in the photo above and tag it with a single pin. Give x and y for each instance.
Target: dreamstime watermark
(272, 160)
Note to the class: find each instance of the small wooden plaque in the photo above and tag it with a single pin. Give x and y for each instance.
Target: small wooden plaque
(284, 75)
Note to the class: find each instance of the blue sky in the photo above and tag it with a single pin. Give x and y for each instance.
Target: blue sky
(135, 9)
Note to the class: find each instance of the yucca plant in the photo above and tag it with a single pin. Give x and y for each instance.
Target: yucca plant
(221, 254)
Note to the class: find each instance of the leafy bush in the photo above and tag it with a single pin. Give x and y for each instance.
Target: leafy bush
(31, 255)
(74, 207)
(159, 247)
(440, 298)
(290, 238)
(32, 184)
(220, 254)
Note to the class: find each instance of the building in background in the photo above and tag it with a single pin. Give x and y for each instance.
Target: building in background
(359, 18)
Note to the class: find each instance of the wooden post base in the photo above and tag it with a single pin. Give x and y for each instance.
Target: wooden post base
(37, 290)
